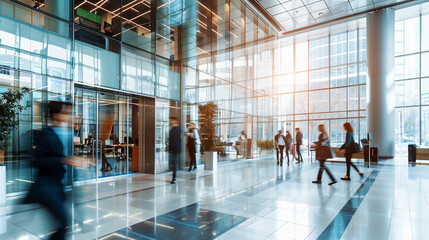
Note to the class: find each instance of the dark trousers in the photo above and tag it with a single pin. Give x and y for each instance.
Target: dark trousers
(173, 163)
(298, 152)
(287, 153)
(52, 197)
(324, 168)
(191, 148)
(280, 150)
(349, 163)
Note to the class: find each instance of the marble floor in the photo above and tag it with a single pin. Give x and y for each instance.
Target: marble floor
(247, 199)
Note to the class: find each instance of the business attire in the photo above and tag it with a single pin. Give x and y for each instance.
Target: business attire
(193, 143)
(298, 145)
(174, 148)
(288, 143)
(48, 190)
(323, 152)
(349, 147)
(280, 146)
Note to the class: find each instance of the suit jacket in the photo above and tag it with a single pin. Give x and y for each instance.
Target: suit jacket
(174, 140)
(48, 155)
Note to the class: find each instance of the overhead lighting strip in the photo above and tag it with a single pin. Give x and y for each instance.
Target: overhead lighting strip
(208, 9)
(98, 5)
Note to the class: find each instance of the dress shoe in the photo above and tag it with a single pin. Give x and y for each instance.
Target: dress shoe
(173, 182)
(346, 178)
(360, 174)
(317, 181)
(333, 182)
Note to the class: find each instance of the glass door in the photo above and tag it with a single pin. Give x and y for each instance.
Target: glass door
(85, 133)
(162, 121)
(103, 134)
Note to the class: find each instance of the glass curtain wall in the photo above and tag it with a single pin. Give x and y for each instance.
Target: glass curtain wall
(321, 81)
(412, 82)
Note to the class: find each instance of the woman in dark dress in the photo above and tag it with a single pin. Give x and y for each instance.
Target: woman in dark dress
(349, 148)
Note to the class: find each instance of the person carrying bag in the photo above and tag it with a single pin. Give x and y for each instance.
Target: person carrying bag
(350, 147)
(323, 152)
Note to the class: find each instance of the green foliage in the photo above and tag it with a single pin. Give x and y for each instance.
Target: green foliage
(10, 107)
(267, 144)
(208, 115)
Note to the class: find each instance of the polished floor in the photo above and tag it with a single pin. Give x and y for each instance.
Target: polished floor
(247, 199)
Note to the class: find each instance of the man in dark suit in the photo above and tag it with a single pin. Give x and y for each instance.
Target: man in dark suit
(280, 142)
(298, 144)
(174, 145)
(50, 154)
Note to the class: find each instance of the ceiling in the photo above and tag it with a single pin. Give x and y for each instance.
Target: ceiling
(291, 15)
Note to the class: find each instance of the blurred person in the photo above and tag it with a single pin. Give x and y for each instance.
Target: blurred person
(349, 147)
(298, 143)
(242, 139)
(50, 156)
(288, 143)
(174, 145)
(193, 143)
(323, 152)
(280, 142)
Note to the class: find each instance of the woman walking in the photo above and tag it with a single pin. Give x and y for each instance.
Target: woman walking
(323, 152)
(288, 143)
(350, 148)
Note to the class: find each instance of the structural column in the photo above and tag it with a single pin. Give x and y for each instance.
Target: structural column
(381, 82)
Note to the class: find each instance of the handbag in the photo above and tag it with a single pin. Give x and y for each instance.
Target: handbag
(357, 147)
(323, 152)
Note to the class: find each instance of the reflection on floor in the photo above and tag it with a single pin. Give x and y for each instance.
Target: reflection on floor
(190, 222)
(249, 199)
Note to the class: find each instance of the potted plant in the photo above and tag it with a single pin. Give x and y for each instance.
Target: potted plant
(208, 114)
(10, 107)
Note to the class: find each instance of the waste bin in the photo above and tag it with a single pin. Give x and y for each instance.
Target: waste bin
(374, 154)
(366, 153)
(412, 153)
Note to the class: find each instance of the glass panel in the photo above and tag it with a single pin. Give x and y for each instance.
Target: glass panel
(301, 59)
(162, 121)
(301, 81)
(339, 76)
(137, 71)
(339, 49)
(425, 33)
(301, 102)
(407, 93)
(407, 66)
(319, 53)
(352, 46)
(362, 45)
(168, 82)
(425, 64)
(85, 133)
(319, 79)
(425, 91)
(338, 95)
(353, 98)
(407, 128)
(425, 127)
(319, 101)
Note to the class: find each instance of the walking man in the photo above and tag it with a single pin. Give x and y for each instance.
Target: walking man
(174, 145)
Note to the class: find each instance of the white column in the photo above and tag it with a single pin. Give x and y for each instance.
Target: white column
(381, 83)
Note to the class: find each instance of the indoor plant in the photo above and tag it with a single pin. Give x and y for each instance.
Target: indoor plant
(208, 114)
(10, 107)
